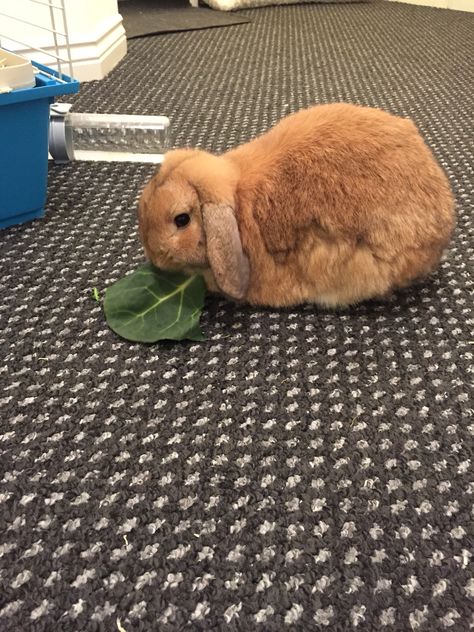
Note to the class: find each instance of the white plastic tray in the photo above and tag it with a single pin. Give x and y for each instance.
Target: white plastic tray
(15, 72)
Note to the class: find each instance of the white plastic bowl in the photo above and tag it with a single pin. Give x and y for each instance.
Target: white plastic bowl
(15, 72)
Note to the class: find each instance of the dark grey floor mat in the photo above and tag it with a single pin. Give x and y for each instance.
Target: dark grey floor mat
(148, 17)
(299, 471)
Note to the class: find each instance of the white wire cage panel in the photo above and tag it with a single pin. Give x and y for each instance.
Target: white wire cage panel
(38, 30)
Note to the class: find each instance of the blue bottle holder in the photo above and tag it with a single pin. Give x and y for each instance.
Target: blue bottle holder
(24, 125)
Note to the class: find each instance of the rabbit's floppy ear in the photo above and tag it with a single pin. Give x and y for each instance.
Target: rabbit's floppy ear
(228, 262)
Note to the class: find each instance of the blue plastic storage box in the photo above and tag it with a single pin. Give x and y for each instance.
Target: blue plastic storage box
(24, 125)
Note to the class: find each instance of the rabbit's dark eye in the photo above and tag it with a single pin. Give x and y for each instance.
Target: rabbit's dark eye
(182, 220)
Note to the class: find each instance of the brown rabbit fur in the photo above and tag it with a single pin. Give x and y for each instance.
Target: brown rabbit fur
(335, 204)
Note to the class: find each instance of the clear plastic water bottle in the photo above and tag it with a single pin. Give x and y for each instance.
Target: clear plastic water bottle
(109, 137)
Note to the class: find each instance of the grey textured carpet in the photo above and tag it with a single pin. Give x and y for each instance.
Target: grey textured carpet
(300, 470)
(149, 17)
